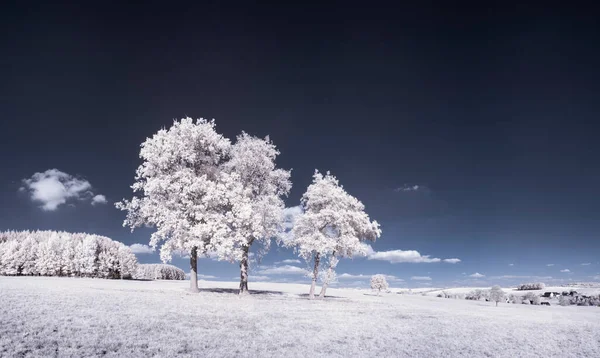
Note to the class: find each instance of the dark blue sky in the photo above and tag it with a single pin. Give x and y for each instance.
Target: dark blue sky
(492, 112)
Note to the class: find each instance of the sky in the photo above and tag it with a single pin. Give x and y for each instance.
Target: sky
(469, 134)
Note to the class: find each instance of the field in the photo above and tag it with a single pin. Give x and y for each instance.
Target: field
(49, 317)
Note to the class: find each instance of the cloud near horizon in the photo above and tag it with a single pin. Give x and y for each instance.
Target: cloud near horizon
(53, 188)
(282, 270)
(420, 278)
(477, 275)
(141, 249)
(348, 276)
(288, 261)
(406, 256)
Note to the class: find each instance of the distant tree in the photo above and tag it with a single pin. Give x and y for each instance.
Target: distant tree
(253, 160)
(533, 298)
(378, 282)
(531, 286)
(333, 224)
(183, 190)
(496, 294)
(512, 298)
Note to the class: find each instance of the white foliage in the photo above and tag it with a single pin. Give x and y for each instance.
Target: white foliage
(379, 283)
(496, 294)
(51, 253)
(531, 286)
(253, 160)
(332, 222)
(159, 272)
(184, 192)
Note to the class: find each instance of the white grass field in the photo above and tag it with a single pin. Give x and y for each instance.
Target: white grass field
(74, 317)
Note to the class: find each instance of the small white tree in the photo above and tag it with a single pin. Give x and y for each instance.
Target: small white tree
(333, 224)
(378, 282)
(184, 192)
(496, 294)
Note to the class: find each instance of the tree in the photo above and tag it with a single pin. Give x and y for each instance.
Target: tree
(183, 192)
(496, 294)
(532, 298)
(378, 282)
(253, 160)
(333, 224)
(51, 253)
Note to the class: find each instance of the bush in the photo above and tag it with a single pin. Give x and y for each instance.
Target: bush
(564, 300)
(159, 272)
(533, 298)
(478, 294)
(512, 298)
(531, 286)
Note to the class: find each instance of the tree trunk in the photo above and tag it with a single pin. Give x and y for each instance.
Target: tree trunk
(194, 270)
(311, 294)
(325, 283)
(329, 275)
(244, 272)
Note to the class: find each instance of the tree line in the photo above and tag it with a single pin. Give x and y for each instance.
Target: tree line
(57, 253)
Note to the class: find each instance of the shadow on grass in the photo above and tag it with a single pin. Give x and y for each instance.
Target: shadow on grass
(236, 291)
(305, 295)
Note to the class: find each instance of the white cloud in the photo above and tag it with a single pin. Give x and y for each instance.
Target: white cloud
(53, 188)
(258, 278)
(565, 270)
(283, 270)
(477, 275)
(98, 199)
(205, 277)
(367, 248)
(596, 277)
(398, 256)
(406, 187)
(290, 215)
(141, 249)
(550, 265)
(348, 276)
(586, 264)
(288, 261)
(522, 277)
(404, 256)
(421, 278)
(452, 261)
(511, 264)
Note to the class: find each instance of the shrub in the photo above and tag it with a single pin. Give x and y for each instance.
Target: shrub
(533, 298)
(159, 272)
(512, 298)
(564, 300)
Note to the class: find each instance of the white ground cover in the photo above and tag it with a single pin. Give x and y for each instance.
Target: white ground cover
(52, 316)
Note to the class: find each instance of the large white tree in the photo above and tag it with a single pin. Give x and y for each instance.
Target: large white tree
(333, 225)
(253, 160)
(183, 191)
